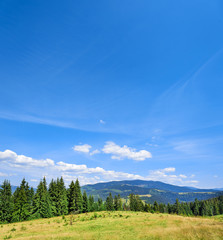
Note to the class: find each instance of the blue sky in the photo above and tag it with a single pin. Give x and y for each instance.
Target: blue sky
(112, 90)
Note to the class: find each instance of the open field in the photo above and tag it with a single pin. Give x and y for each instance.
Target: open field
(117, 225)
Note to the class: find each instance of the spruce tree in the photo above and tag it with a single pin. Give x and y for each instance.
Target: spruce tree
(62, 193)
(6, 204)
(53, 196)
(22, 207)
(109, 203)
(42, 204)
(196, 207)
(119, 203)
(115, 203)
(71, 197)
(85, 203)
(156, 207)
(78, 197)
(177, 207)
(58, 197)
(91, 203)
(100, 205)
(132, 201)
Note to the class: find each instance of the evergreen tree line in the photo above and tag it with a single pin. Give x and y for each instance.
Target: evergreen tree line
(56, 200)
(210, 207)
(45, 202)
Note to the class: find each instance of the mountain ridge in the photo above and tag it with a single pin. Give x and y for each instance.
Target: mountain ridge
(149, 191)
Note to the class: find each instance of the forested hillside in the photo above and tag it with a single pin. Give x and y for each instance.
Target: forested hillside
(57, 200)
(150, 191)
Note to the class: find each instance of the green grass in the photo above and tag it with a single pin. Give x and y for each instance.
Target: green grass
(117, 225)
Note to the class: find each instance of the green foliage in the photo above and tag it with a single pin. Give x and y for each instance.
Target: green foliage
(42, 205)
(24, 204)
(22, 199)
(71, 197)
(109, 203)
(8, 236)
(58, 197)
(6, 203)
(78, 197)
(91, 203)
(85, 203)
(136, 204)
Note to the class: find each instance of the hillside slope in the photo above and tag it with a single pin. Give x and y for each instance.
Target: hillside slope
(116, 225)
(150, 191)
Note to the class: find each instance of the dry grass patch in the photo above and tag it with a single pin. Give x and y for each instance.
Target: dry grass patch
(117, 225)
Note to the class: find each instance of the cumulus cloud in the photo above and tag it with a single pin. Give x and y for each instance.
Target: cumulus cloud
(85, 174)
(85, 148)
(20, 160)
(68, 167)
(125, 152)
(165, 175)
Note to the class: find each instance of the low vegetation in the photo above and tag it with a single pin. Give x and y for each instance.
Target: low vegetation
(116, 225)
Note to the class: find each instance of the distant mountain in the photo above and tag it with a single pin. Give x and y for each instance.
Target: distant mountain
(218, 189)
(150, 191)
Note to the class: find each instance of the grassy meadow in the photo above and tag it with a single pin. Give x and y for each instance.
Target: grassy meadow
(116, 225)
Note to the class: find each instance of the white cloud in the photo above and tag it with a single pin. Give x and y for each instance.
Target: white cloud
(125, 152)
(94, 152)
(33, 180)
(85, 174)
(20, 160)
(85, 148)
(164, 176)
(68, 167)
(102, 122)
(3, 174)
(182, 176)
(169, 169)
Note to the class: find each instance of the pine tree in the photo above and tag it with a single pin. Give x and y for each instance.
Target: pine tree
(146, 208)
(196, 207)
(169, 208)
(6, 204)
(62, 193)
(58, 197)
(132, 201)
(71, 197)
(22, 207)
(156, 207)
(53, 196)
(109, 203)
(216, 208)
(78, 197)
(115, 203)
(177, 207)
(91, 203)
(42, 204)
(119, 203)
(85, 203)
(100, 205)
